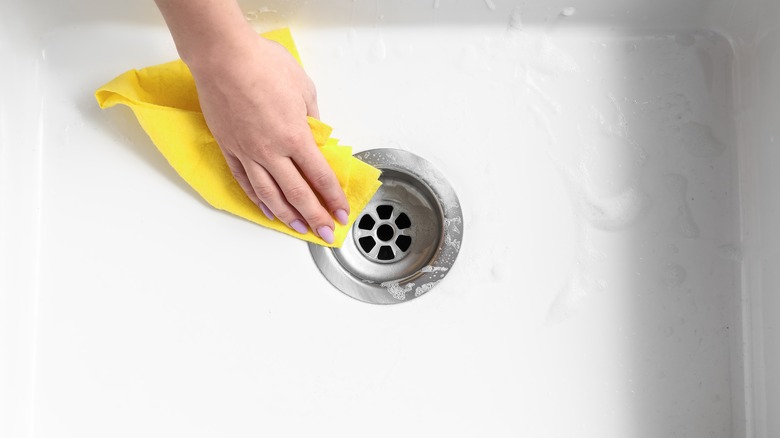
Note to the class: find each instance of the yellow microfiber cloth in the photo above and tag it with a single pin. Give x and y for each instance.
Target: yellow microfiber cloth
(165, 101)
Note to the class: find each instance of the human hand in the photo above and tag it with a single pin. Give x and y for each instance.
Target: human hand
(256, 102)
(255, 98)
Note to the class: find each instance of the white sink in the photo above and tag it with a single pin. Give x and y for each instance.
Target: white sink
(619, 275)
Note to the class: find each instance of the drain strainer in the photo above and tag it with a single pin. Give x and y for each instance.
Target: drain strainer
(407, 238)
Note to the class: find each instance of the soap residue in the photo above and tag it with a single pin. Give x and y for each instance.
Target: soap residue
(683, 224)
(557, 60)
(515, 20)
(579, 286)
(453, 224)
(256, 13)
(426, 287)
(568, 12)
(730, 251)
(609, 197)
(395, 289)
(604, 180)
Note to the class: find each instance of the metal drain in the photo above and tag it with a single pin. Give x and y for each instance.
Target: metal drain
(405, 241)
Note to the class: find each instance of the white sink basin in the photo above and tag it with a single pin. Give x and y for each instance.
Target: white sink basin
(617, 169)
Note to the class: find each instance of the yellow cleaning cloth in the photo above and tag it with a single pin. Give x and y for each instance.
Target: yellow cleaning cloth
(165, 101)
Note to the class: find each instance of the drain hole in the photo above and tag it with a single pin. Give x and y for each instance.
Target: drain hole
(366, 223)
(367, 243)
(402, 221)
(403, 242)
(380, 236)
(386, 253)
(385, 232)
(384, 211)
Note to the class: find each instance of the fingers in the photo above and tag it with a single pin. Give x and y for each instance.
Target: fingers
(268, 192)
(323, 181)
(299, 189)
(299, 194)
(239, 173)
(291, 199)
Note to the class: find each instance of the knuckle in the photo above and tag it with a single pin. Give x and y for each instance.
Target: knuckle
(239, 175)
(261, 153)
(286, 215)
(322, 179)
(264, 192)
(295, 139)
(317, 218)
(331, 194)
(298, 195)
(236, 169)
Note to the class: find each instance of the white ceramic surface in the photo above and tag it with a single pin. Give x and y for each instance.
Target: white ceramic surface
(617, 167)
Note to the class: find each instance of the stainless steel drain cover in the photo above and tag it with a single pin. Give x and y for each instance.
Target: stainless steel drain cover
(405, 241)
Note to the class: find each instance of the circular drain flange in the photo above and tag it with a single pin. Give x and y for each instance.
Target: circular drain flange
(407, 238)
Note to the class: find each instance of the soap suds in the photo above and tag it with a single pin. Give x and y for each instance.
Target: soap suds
(395, 289)
(426, 287)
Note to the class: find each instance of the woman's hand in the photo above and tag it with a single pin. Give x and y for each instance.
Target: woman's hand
(255, 98)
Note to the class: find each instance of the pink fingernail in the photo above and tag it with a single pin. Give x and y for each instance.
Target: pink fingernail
(299, 226)
(341, 216)
(266, 211)
(326, 234)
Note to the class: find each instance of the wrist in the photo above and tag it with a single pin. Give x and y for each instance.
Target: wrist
(213, 49)
(206, 31)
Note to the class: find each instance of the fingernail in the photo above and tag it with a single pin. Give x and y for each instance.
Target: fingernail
(266, 211)
(299, 226)
(341, 216)
(326, 234)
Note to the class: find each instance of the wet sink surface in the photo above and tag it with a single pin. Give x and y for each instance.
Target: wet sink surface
(595, 293)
